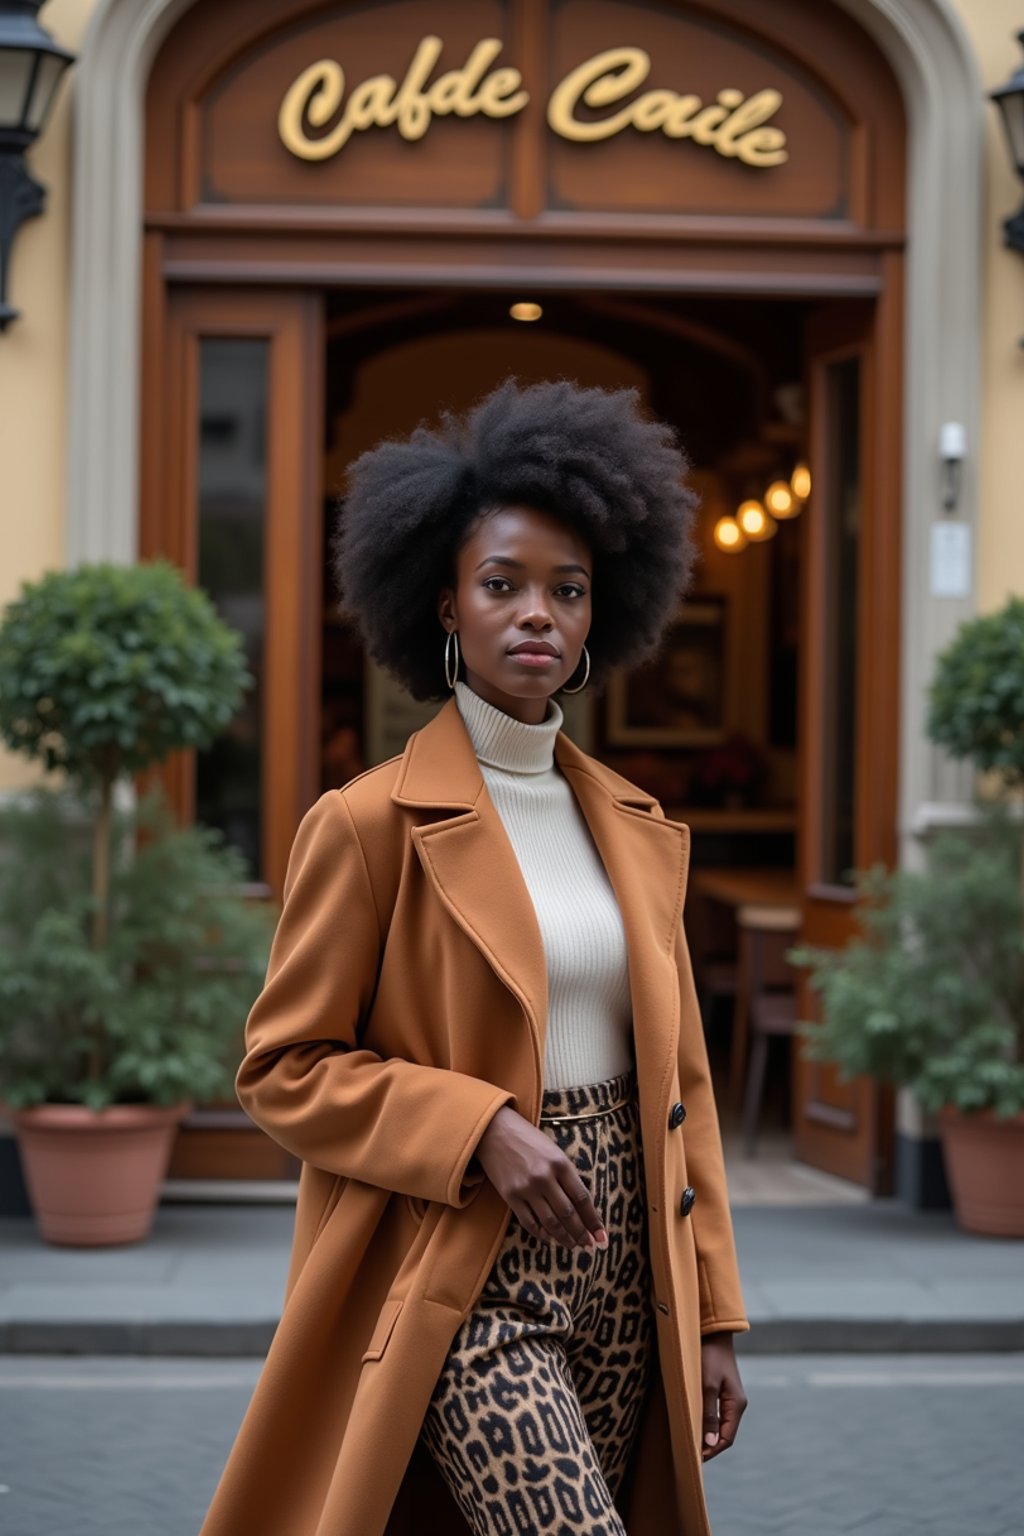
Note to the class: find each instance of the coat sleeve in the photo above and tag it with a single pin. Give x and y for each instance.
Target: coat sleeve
(304, 1078)
(721, 1298)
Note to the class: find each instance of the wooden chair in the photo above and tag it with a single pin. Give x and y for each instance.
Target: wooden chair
(765, 1002)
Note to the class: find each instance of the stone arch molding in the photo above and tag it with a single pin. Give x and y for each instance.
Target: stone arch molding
(931, 58)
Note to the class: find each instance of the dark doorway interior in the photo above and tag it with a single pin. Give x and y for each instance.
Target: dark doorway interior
(725, 371)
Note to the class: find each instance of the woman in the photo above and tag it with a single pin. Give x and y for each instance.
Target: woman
(513, 1286)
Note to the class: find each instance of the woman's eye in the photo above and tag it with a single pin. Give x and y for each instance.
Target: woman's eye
(567, 589)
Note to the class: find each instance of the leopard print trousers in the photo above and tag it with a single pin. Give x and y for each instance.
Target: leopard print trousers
(534, 1414)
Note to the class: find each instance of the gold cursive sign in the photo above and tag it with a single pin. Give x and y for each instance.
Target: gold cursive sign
(734, 125)
(379, 102)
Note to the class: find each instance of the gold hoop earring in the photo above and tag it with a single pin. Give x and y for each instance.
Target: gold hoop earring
(585, 676)
(450, 679)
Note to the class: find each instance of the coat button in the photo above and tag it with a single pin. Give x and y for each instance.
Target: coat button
(676, 1117)
(686, 1203)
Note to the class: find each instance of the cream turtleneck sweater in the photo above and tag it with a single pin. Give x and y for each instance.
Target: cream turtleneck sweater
(589, 1031)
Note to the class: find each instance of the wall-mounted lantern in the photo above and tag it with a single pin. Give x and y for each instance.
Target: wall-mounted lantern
(1009, 98)
(31, 66)
(952, 452)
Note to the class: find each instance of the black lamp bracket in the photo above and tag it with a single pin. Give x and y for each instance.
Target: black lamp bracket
(1013, 231)
(21, 198)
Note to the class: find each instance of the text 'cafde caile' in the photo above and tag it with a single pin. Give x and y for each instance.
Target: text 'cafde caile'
(590, 104)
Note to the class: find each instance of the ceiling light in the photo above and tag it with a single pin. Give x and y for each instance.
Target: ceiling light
(780, 500)
(754, 520)
(729, 536)
(525, 310)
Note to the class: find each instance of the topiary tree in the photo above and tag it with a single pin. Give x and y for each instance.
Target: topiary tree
(976, 698)
(155, 1015)
(105, 670)
(931, 996)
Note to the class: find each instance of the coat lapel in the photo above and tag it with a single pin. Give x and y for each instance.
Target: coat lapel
(647, 860)
(468, 858)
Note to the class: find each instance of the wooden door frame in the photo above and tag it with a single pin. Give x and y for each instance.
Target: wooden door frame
(292, 324)
(878, 771)
(854, 1139)
(247, 311)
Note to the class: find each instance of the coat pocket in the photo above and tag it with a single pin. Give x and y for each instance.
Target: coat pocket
(385, 1323)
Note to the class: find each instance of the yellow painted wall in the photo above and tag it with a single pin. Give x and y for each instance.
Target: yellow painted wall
(33, 359)
(33, 353)
(991, 26)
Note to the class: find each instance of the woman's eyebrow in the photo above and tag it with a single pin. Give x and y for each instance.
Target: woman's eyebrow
(518, 565)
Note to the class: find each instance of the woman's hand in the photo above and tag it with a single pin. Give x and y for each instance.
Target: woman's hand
(723, 1393)
(539, 1182)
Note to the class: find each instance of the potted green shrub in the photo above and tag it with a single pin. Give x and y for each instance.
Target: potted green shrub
(129, 955)
(931, 997)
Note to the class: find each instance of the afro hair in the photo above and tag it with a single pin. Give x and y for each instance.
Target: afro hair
(587, 456)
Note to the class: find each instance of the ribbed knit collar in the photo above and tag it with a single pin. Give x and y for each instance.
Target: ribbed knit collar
(502, 741)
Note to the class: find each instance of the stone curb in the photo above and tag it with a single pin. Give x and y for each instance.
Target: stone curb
(881, 1336)
(767, 1336)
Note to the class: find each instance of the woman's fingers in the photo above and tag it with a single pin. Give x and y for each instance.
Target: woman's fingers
(540, 1183)
(568, 1200)
(560, 1222)
(529, 1223)
(721, 1428)
(724, 1405)
(711, 1427)
(563, 1208)
(576, 1194)
(731, 1411)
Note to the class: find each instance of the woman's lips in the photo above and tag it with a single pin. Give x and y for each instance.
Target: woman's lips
(533, 658)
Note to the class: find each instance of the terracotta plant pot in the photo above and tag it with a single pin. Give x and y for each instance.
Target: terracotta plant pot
(985, 1167)
(94, 1176)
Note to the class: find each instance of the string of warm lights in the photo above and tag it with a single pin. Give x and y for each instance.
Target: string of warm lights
(756, 521)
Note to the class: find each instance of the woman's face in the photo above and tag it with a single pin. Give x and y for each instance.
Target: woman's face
(521, 605)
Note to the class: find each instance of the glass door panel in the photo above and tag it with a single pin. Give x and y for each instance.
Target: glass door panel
(232, 515)
(839, 511)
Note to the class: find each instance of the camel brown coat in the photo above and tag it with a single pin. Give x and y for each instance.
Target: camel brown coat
(405, 1002)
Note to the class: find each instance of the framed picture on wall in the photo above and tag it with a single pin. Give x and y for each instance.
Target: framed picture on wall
(679, 698)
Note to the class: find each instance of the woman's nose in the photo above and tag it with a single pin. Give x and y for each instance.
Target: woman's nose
(536, 616)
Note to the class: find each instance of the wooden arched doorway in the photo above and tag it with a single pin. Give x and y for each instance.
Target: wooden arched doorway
(744, 176)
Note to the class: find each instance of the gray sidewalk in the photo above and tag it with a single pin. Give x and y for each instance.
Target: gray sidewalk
(874, 1277)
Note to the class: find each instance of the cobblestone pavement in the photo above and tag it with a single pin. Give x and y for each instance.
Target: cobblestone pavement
(877, 1445)
(830, 1444)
